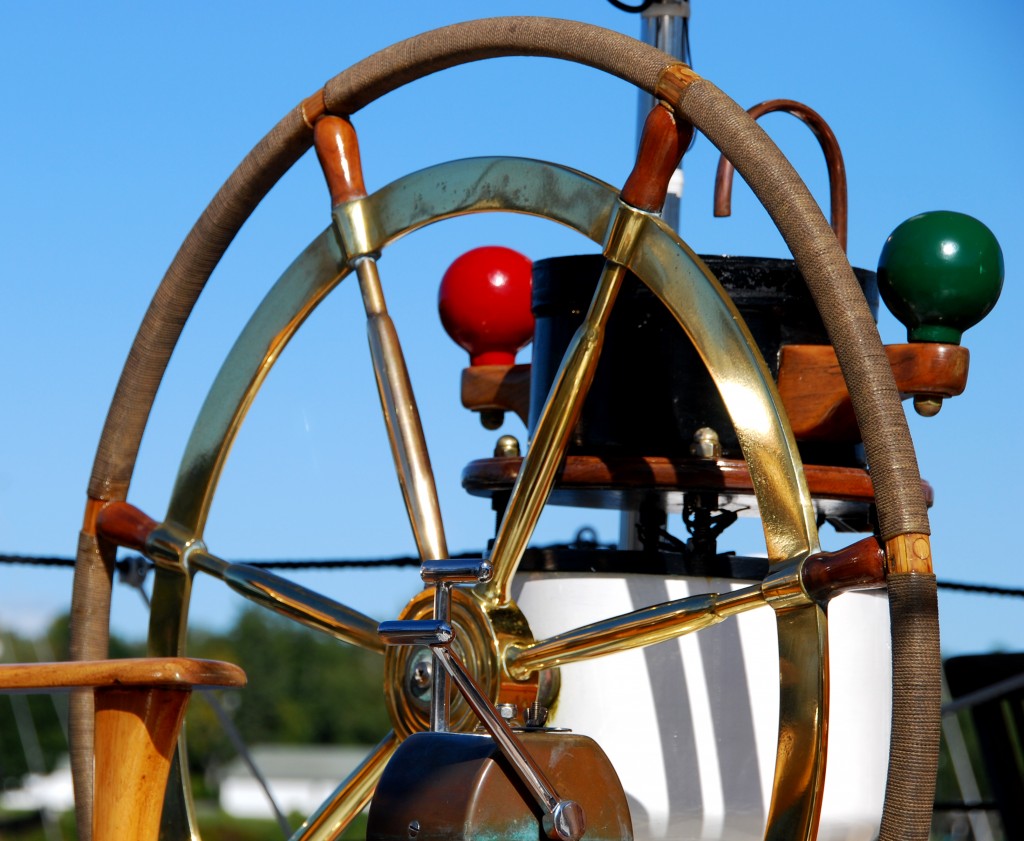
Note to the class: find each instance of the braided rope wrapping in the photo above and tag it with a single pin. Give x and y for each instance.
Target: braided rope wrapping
(887, 443)
(916, 702)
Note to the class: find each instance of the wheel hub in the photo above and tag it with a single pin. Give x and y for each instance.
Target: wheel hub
(483, 633)
(419, 676)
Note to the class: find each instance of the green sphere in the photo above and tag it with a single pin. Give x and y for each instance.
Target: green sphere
(940, 273)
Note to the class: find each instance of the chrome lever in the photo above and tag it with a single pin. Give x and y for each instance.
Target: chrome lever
(563, 819)
(445, 574)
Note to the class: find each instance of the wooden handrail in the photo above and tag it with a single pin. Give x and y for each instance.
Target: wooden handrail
(164, 672)
(140, 704)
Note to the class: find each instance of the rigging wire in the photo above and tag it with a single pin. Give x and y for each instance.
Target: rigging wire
(132, 571)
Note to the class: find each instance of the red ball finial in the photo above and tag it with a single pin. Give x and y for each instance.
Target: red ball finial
(484, 303)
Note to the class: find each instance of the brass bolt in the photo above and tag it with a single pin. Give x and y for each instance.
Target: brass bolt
(927, 405)
(507, 447)
(706, 444)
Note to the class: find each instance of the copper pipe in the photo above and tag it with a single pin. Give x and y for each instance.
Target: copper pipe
(833, 159)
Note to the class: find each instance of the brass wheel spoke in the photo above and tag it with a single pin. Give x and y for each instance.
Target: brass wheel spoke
(575, 200)
(337, 148)
(639, 628)
(293, 601)
(560, 414)
(662, 144)
(647, 247)
(349, 798)
(405, 431)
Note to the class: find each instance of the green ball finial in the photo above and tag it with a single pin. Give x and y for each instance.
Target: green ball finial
(940, 273)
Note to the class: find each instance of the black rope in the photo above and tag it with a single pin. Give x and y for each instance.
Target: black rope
(36, 560)
(986, 589)
(410, 561)
(345, 563)
(339, 563)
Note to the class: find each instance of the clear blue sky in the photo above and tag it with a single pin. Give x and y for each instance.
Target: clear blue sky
(121, 121)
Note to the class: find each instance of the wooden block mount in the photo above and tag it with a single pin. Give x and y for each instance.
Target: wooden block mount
(811, 385)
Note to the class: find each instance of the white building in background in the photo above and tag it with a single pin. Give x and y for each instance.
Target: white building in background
(52, 792)
(300, 777)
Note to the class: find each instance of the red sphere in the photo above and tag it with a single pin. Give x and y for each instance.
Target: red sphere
(484, 303)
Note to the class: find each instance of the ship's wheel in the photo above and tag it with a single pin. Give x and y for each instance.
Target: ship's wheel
(496, 640)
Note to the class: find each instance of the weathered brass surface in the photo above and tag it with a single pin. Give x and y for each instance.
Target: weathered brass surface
(479, 185)
(676, 276)
(348, 799)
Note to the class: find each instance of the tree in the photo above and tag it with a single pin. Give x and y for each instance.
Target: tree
(32, 727)
(304, 688)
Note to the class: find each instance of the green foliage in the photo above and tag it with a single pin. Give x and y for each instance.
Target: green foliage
(28, 826)
(36, 719)
(304, 688)
(31, 726)
(947, 788)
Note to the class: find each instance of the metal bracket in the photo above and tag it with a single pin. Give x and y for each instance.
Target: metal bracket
(169, 546)
(678, 9)
(355, 230)
(563, 819)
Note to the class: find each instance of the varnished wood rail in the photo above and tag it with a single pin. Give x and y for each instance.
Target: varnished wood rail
(140, 704)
